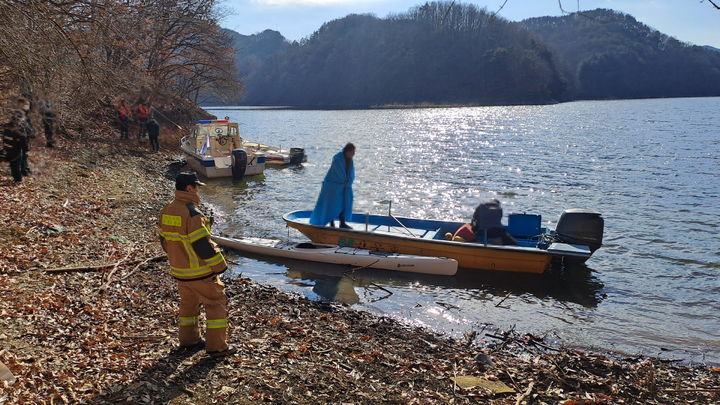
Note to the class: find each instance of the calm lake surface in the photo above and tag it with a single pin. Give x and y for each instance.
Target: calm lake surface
(652, 167)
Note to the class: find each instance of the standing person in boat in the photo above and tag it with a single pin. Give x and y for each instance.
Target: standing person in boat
(336, 195)
(196, 263)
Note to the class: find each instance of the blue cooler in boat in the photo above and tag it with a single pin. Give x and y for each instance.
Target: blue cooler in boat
(524, 226)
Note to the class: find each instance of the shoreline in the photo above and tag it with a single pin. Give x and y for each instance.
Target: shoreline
(419, 106)
(104, 333)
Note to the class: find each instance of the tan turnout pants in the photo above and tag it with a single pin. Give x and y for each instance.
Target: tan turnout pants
(210, 293)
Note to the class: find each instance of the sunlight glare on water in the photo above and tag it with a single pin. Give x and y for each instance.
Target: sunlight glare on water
(650, 166)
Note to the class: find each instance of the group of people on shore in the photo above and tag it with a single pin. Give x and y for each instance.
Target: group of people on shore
(19, 130)
(145, 123)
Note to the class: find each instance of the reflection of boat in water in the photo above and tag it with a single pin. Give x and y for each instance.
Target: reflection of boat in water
(572, 285)
(276, 156)
(577, 236)
(334, 254)
(330, 288)
(215, 149)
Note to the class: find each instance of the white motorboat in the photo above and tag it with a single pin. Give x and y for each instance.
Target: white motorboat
(215, 149)
(277, 156)
(334, 254)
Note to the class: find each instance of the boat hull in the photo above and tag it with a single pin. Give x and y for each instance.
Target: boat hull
(277, 156)
(209, 169)
(335, 254)
(468, 255)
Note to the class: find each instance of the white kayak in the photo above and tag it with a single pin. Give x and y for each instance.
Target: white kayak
(334, 254)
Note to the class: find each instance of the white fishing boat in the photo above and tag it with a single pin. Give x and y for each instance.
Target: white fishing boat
(277, 156)
(316, 252)
(215, 149)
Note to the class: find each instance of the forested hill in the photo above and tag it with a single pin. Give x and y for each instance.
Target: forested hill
(612, 55)
(252, 51)
(432, 54)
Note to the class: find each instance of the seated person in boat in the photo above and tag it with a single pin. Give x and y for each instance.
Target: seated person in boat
(336, 195)
(485, 226)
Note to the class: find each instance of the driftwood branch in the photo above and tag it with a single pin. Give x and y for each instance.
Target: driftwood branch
(525, 394)
(81, 268)
(115, 267)
(717, 389)
(142, 264)
(97, 267)
(503, 300)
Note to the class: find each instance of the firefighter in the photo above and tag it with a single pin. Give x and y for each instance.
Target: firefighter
(196, 263)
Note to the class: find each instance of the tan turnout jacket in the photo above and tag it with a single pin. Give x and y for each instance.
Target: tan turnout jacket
(185, 237)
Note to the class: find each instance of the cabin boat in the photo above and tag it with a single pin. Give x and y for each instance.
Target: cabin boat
(334, 254)
(577, 235)
(275, 156)
(215, 149)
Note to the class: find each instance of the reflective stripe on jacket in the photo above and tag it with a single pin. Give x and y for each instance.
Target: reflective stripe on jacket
(185, 237)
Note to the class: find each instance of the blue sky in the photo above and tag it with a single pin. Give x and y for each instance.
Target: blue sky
(694, 21)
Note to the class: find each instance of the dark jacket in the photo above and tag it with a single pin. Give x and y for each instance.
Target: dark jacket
(153, 129)
(14, 140)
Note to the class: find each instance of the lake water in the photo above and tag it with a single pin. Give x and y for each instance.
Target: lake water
(650, 166)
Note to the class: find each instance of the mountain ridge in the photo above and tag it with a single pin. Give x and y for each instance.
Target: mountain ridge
(472, 57)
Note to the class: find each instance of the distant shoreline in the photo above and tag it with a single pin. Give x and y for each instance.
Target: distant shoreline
(424, 105)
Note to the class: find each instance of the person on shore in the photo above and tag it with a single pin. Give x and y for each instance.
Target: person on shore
(196, 263)
(142, 113)
(27, 128)
(124, 115)
(14, 141)
(48, 120)
(153, 130)
(24, 105)
(336, 195)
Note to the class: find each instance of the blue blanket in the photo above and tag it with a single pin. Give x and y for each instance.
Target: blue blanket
(336, 195)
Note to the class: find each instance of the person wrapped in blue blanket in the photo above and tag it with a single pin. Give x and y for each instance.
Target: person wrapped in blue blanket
(336, 195)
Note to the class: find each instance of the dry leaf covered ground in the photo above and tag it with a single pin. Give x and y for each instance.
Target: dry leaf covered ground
(104, 333)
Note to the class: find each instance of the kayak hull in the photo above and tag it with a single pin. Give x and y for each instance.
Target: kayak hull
(334, 254)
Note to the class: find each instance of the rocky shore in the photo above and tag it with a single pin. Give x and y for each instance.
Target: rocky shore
(87, 315)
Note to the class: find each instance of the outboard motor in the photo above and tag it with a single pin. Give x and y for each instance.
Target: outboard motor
(581, 227)
(239, 163)
(297, 155)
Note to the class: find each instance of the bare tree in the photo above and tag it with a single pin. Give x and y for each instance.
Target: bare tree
(84, 53)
